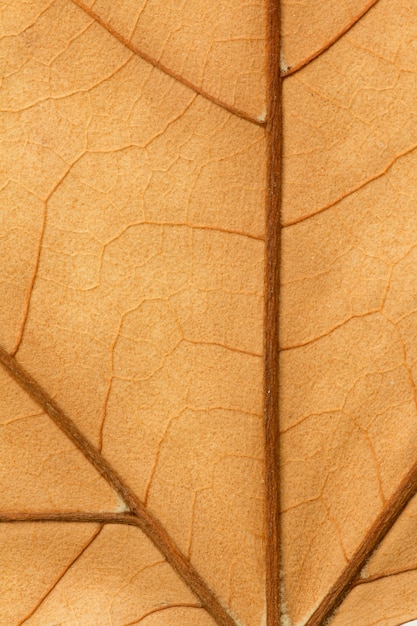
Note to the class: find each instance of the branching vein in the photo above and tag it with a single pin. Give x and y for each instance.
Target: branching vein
(160, 66)
(139, 515)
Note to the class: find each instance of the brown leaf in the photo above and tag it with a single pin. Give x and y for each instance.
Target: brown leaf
(348, 315)
(132, 226)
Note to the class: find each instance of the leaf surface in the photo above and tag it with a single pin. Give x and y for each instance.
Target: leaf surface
(219, 47)
(132, 228)
(309, 27)
(348, 317)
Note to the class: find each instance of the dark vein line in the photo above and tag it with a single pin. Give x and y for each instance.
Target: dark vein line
(271, 339)
(61, 576)
(147, 522)
(164, 608)
(79, 517)
(378, 531)
(376, 577)
(196, 226)
(31, 284)
(330, 331)
(38, 255)
(160, 66)
(350, 192)
(299, 66)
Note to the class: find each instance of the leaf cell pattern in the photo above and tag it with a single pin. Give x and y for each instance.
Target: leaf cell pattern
(348, 314)
(133, 169)
(132, 228)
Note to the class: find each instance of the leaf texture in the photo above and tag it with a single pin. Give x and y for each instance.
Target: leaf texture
(310, 27)
(218, 46)
(348, 314)
(132, 258)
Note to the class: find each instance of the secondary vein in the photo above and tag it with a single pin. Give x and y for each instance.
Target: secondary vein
(140, 516)
(160, 66)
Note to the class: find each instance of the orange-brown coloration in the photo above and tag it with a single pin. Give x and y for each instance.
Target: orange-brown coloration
(311, 27)
(218, 47)
(348, 316)
(140, 198)
(132, 239)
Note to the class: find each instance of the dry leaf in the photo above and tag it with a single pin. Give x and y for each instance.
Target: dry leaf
(132, 226)
(348, 317)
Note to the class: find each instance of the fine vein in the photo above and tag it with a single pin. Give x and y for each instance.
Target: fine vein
(61, 576)
(160, 66)
(164, 608)
(299, 66)
(383, 523)
(350, 192)
(144, 520)
(372, 579)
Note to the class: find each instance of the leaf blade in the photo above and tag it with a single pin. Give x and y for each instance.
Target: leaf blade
(344, 425)
(88, 148)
